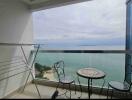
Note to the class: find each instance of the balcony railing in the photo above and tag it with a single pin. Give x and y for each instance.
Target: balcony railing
(112, 62)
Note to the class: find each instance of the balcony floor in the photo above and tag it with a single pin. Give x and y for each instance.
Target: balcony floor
(46, 92)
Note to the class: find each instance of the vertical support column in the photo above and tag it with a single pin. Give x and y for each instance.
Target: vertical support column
(128, 58)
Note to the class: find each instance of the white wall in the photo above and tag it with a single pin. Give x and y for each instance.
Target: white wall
(15, 27)
(15, 22)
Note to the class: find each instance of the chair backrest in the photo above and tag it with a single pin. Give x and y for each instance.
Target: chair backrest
(130, 86)
(59, 68)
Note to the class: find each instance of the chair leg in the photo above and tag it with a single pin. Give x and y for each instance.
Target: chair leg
(126, 95)
(80, 87)
(108, 92)
(75, 87)
(102, 87)
(91, 87)
(63, 86)
(70, 90)
(112, 93)
(57, 85)
(130, 94)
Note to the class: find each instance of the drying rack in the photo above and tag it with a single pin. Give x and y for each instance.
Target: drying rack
(17, 64)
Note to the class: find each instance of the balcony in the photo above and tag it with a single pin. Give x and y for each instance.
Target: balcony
(17, 60)
(112, 62)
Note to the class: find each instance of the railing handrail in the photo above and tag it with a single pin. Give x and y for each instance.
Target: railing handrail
(65, 51)
(84, 51)
(19, 44)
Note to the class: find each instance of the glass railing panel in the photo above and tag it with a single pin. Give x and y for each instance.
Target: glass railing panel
(111, 63)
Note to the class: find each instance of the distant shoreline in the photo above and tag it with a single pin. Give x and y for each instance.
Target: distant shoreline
(84, 47)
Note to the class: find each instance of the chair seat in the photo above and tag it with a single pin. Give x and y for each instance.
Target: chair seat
(66, 80)
(119, 86)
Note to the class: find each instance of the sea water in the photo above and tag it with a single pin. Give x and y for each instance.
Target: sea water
(111, 63)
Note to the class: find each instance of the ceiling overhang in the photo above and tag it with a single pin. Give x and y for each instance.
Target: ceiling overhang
(31, 2)
(36, 5)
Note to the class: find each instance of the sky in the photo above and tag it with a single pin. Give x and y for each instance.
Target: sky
(97, 22)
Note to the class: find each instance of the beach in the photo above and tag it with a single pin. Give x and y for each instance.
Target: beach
(50, 75)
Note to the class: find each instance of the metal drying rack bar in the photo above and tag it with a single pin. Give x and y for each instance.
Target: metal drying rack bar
(15, 60)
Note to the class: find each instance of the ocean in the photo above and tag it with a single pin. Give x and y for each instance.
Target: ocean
(112, 64)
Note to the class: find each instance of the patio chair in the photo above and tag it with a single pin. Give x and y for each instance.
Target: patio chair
(62, 77)
(118, 86)
(55, 94)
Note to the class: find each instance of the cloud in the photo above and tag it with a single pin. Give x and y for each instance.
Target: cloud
(97, 19)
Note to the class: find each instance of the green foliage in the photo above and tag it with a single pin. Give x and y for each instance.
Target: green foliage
(40, 75)
(41, 69)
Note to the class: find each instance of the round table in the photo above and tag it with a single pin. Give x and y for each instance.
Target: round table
(90, 73)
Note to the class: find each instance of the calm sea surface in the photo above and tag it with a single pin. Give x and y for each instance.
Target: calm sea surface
(112, 64)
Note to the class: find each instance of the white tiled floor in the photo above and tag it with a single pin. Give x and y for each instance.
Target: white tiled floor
(30, 92)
